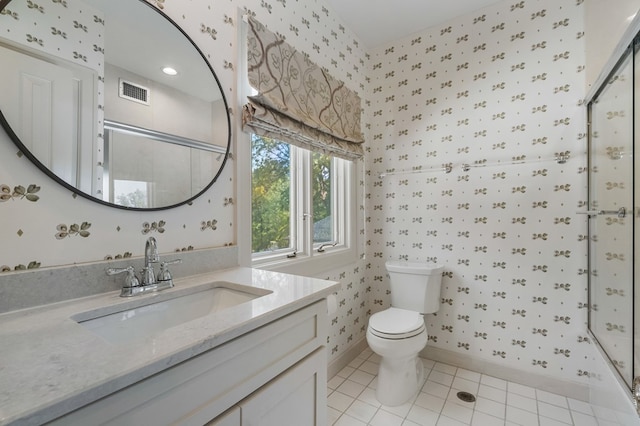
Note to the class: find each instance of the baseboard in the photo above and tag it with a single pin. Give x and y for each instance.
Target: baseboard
(349, 355)
(566, 388)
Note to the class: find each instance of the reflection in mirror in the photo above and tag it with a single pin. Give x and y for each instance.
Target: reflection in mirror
(84, 95)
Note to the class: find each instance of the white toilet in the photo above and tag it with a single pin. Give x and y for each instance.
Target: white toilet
(399, 333)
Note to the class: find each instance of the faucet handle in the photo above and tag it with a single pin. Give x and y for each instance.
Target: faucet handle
(130, 280)
(164, 274)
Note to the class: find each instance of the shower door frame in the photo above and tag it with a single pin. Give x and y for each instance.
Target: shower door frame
(629, 41)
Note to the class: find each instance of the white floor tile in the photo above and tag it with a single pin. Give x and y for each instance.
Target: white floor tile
(346, 372)
(430, 402)
(522, 402)
(440, 377)
(521, 417)
(374, 383)
(446, 421)
(422, 416)
(523, 390)
(398, 410)
(339, 401)
(385, 418)
(436, 389)
(490, 407)
(445, 368)
(469, 375)
(370, 367)
(552, 398)
(428, 364)
(608, 423)
(482, 419)
(494, 382)
(335, 381)
(465, 385)
(374, 358)
(361, 411)
(554, 412)
(332, 415)
(493, 394)
(369, 396)
(545, 421)
(603, 413)
(351, 388)
(583, 419)
(352, 401)
(362, 377)
(580, 406)
(356, 362)
(346, 420)
(457, 412)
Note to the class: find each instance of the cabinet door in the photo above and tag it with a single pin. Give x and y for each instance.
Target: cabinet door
(296, 397)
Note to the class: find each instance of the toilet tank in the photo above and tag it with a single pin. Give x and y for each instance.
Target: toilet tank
(415, 286)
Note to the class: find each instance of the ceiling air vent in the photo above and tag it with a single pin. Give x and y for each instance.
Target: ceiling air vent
(134, 92)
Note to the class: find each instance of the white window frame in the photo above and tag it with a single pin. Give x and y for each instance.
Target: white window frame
(310, 263)
(307, 257)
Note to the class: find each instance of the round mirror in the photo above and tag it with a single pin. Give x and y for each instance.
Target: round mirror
(112, 100)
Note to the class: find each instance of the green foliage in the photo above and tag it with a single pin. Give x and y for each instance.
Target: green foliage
(321, 184)
(271, 196)
(270, 182)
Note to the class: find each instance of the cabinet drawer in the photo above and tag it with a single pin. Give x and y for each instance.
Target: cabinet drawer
(203, 387)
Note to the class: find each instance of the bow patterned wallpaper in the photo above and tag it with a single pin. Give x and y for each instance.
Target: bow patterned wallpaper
(502, 85)
(494, 97)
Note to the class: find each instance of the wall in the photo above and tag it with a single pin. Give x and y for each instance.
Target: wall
(604, 27)
(489, 89)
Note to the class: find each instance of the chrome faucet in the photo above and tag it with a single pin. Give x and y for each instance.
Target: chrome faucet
(150, 282)
(150, 257)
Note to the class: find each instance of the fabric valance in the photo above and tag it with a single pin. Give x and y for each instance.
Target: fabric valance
(298, 102)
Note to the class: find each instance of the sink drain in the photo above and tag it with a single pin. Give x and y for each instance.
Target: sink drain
(466, 397)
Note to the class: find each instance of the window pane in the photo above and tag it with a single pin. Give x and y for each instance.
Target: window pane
(270, 184)
(321, 175)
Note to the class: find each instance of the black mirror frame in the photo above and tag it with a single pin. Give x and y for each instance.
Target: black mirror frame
(23, 149)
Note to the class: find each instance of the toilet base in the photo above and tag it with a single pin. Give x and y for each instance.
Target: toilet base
(399, 379)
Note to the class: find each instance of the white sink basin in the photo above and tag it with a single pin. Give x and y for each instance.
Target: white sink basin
(143, 318)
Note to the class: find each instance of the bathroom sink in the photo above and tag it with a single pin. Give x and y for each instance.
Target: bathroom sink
(145, 317)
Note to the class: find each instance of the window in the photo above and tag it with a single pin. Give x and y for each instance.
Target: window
(299, 202)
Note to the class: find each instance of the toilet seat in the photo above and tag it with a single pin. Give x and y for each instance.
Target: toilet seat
(395, 323)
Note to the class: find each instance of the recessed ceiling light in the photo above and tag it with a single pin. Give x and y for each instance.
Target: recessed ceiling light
(169, 71)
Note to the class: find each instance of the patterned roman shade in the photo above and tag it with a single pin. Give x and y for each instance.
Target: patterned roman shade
(298, 102)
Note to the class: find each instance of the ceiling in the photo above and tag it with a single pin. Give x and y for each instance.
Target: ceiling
(378, 22)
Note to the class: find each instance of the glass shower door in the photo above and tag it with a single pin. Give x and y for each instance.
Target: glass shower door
(610, 209)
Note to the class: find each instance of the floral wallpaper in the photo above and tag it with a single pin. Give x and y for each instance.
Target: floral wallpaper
(477, 161)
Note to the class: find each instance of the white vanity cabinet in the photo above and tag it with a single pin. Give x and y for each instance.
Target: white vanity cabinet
(273, 375)
(296, 397)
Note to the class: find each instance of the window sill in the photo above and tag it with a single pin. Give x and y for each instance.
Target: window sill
(310, 266)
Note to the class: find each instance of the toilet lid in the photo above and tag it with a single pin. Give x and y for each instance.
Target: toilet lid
(396, 321)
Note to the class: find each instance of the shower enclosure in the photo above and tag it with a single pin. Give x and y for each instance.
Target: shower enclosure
(612, 113)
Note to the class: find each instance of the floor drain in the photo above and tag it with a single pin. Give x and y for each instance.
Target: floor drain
(466, 397)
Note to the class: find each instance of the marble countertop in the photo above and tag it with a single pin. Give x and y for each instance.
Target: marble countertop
(51, 365)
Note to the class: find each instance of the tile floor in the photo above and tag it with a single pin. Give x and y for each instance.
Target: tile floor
(352, 402)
